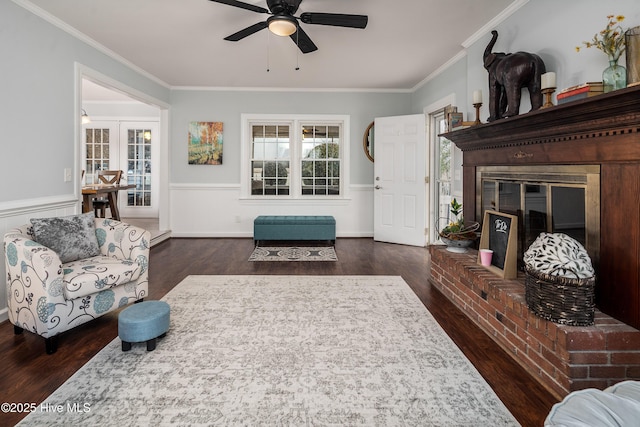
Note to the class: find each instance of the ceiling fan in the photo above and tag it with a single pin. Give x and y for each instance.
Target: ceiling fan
(283, 23)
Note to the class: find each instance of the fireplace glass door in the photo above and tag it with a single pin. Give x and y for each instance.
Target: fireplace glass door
(545, 199)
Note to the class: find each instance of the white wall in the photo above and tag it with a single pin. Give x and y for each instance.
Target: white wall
(120, 110)
(217, 210)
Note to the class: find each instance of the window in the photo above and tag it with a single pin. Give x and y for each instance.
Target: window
(270, 161)
(320, 163)
(294, 157)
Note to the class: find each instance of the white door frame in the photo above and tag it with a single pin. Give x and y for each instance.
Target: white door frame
(431, 149)
(84, 72)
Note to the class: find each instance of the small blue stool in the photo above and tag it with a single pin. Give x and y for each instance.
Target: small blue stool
(144, 321)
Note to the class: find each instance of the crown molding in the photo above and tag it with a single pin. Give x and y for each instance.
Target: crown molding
(287, 89)
(26, 4)
(515, 6)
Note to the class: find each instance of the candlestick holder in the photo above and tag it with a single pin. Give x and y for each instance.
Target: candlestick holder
(547, 92)
(477, 122)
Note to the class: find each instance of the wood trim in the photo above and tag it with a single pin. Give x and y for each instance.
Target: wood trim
(605, 116)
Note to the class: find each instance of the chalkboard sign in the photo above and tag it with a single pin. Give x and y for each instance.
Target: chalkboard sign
(500, 234)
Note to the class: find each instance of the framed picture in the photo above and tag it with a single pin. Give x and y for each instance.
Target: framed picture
(455, 120)
(500, 234)
(205, 143)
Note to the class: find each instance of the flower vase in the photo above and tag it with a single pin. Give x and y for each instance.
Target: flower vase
(614, 77)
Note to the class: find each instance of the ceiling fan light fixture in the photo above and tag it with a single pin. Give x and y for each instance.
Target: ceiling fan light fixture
(282, 25)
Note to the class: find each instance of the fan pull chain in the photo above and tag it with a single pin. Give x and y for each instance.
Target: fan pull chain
(298, 48)
(268, 37)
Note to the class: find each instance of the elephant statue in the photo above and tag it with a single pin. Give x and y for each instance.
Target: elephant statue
(508, 74)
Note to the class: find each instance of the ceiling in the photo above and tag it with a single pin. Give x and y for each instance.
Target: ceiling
(180, 42)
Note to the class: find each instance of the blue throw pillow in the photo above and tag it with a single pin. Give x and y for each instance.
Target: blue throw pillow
(71, 237)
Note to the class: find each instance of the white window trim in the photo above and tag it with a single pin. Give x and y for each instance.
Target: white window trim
(295, 121)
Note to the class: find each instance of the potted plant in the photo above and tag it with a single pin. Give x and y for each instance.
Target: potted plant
(457, 235)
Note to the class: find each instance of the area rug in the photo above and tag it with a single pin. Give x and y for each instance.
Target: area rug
(297, 253)
(283, 351)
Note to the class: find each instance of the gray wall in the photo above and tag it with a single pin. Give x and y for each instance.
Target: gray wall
(226, 107)
(37, 99)
(37, 127)
(549, 28)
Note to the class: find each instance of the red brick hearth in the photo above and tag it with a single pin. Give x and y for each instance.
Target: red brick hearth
(563, 358)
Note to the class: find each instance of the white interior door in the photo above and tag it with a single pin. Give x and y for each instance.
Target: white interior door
(400, 175)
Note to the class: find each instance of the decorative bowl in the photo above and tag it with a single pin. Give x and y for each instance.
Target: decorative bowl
(459, 242)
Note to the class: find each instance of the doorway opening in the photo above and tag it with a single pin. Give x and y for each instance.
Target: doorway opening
(124, 134)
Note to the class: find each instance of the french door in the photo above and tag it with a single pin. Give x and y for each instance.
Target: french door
(138, 157)
(100, 149)
(442, 172)
(131, 147)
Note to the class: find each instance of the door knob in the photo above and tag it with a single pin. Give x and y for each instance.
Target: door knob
(377, 187)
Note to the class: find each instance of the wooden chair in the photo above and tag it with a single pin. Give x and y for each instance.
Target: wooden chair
(105, 177)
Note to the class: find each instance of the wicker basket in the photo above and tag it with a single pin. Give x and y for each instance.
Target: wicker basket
(563, 300)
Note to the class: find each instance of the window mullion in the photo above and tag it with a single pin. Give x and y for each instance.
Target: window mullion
(296, 150)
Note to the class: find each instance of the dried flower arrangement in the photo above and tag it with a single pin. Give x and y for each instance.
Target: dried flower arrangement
(610, 40)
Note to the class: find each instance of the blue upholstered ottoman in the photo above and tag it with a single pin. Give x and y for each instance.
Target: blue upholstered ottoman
(294, 227)
(143, 322)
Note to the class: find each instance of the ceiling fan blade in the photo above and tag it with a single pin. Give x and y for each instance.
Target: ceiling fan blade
(335, 19)
(243, 5)
(303, 41)
(247, 32)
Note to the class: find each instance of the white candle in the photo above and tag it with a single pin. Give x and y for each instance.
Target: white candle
(477, 97)
(548, 80)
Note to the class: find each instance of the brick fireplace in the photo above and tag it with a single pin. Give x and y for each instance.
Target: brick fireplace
(562, 358)
(602, 132)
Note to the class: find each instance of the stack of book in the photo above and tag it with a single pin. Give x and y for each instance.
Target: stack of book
(581, 91)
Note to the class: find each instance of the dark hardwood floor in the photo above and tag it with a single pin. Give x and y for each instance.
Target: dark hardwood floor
(28, 375)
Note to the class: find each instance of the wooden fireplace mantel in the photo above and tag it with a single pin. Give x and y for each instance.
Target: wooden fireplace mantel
(602, 130)
(586, 118)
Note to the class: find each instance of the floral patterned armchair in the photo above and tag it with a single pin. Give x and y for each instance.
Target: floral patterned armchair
(47, 297)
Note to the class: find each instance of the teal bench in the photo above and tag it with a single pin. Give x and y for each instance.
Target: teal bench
(294, 227)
